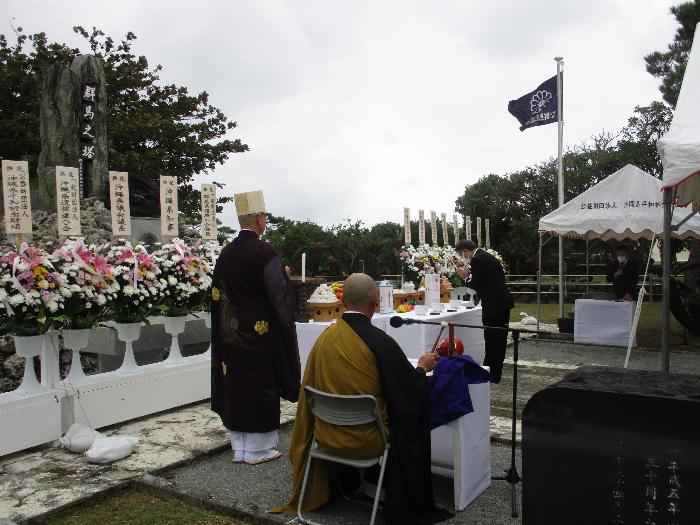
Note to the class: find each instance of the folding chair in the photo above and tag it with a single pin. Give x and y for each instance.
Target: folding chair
(342, 410)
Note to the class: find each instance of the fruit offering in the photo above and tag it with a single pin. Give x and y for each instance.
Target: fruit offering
(444, 347)
(337, 287)
(404, 308)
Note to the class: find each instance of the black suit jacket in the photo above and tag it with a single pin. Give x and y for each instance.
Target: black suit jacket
(489, 280)
(627, 282)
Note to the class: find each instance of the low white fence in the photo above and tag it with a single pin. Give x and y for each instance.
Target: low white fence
(39, 412)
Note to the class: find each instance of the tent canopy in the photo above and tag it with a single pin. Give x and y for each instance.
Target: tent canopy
(680, 147)
(625, 205)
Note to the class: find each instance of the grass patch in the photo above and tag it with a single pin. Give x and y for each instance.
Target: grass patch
(132, 506)
(648, 331)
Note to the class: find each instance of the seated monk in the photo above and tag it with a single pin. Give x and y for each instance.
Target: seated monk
(354, 357)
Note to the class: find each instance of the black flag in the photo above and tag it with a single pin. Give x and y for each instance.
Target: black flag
(538, 107)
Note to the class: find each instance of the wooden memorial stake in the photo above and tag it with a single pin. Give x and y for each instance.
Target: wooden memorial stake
(18, 204)
(119, 200)
(455, 227)
(421, 227)
(168, 207)
(67, 202)
(433, 227)
(445, 235)
(468, 228)
(209, 229)
(488, 233)
(407, 226)
(478, 231)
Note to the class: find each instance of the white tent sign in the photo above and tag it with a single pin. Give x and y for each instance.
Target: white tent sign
(625, 205)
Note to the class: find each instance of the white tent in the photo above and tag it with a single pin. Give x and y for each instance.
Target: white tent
(680, 147)
(624, 205)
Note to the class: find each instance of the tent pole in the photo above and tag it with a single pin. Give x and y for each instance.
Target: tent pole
(560, 175)
(588, 270)
(539, 283)
(666, 282)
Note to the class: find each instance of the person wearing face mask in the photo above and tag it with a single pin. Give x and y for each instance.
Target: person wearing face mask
(623, 274)
(488, 278)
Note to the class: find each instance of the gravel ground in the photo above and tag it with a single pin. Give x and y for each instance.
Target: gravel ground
(265, 486)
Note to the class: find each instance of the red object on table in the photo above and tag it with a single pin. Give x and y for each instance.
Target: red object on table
(444, 347)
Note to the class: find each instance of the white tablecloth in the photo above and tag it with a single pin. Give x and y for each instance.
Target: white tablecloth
(603, 322)
(462, 448)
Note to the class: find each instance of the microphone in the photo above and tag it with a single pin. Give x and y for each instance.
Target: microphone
(397, 321)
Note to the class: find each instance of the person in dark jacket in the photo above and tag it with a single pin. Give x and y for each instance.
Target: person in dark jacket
(623, 274)
(487, 277)
(255, 357)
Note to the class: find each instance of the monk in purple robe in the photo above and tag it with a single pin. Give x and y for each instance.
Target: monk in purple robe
(255, 357)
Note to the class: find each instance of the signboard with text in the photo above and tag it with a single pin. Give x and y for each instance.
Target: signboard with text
(119, 199)
(68, 200)
(15, 189)
(168, 206)
(209, 230)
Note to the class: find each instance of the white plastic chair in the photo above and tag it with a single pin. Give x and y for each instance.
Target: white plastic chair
(341, 410)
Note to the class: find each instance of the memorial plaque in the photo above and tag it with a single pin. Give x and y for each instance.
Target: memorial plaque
(445, 236)
(421, 227)
(209, 229)
(15, 189)
(478, 231)
(613, 446)
(488, 233)
(455, 227)
(168, 206)
(433, 227)
(407, 226)
(119, 198)
(68, 201)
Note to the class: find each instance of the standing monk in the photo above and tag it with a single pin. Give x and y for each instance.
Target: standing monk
(255, 357)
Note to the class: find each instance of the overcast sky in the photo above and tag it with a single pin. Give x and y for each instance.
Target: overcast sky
(356, 109)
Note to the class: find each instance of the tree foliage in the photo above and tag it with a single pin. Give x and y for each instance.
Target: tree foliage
(153, 129)
(669, 65)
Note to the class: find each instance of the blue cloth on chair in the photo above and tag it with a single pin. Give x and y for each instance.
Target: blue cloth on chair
(448, 388)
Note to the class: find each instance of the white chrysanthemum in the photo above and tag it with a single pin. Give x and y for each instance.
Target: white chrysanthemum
(150, 275)
(22, 266)
(172, 281)
(101, 299)
(52, 306)
(16, 299)
(129, 290)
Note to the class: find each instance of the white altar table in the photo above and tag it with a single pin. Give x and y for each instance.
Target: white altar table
(603, 322)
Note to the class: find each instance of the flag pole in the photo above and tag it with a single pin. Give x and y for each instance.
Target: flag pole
(560, 177)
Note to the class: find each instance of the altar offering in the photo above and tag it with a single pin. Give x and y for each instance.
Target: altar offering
(399, 298)
(386, 301)
(324, 304)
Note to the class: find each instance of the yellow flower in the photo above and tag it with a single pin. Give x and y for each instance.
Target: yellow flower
(261, 327)
(215, 293)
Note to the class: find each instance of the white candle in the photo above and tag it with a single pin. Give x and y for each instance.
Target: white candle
(303, 267)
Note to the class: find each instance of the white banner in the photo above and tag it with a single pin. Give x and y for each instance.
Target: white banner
(478, 231)
(455, 227)
(421, 227)
(445, 235)
(433, 227)
(68, 200)
(168, 206)
(119, 200)
(407, 226)
(209, 229)
(15, 189)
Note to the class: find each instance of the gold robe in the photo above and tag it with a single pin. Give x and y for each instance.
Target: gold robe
(339, 363)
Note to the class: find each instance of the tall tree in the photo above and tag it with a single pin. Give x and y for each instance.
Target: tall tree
(153, 129)
(669, 65)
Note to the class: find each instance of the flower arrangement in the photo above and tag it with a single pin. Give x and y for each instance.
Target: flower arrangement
(136, 280)
(184, 277)
(31, 292)
(80, 286)
(443, 260)
(88, 284)
(497, 256)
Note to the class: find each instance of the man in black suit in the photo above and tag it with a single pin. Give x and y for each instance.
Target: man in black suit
(623, 274)
(488, 278)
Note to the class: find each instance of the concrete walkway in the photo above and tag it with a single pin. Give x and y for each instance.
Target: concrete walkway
(187, 449)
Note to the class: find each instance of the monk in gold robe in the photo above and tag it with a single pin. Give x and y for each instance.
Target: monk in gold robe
(354, 357)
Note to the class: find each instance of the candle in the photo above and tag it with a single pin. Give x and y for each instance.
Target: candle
(303, 267)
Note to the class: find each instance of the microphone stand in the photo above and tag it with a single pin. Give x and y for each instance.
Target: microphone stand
(512, 477)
